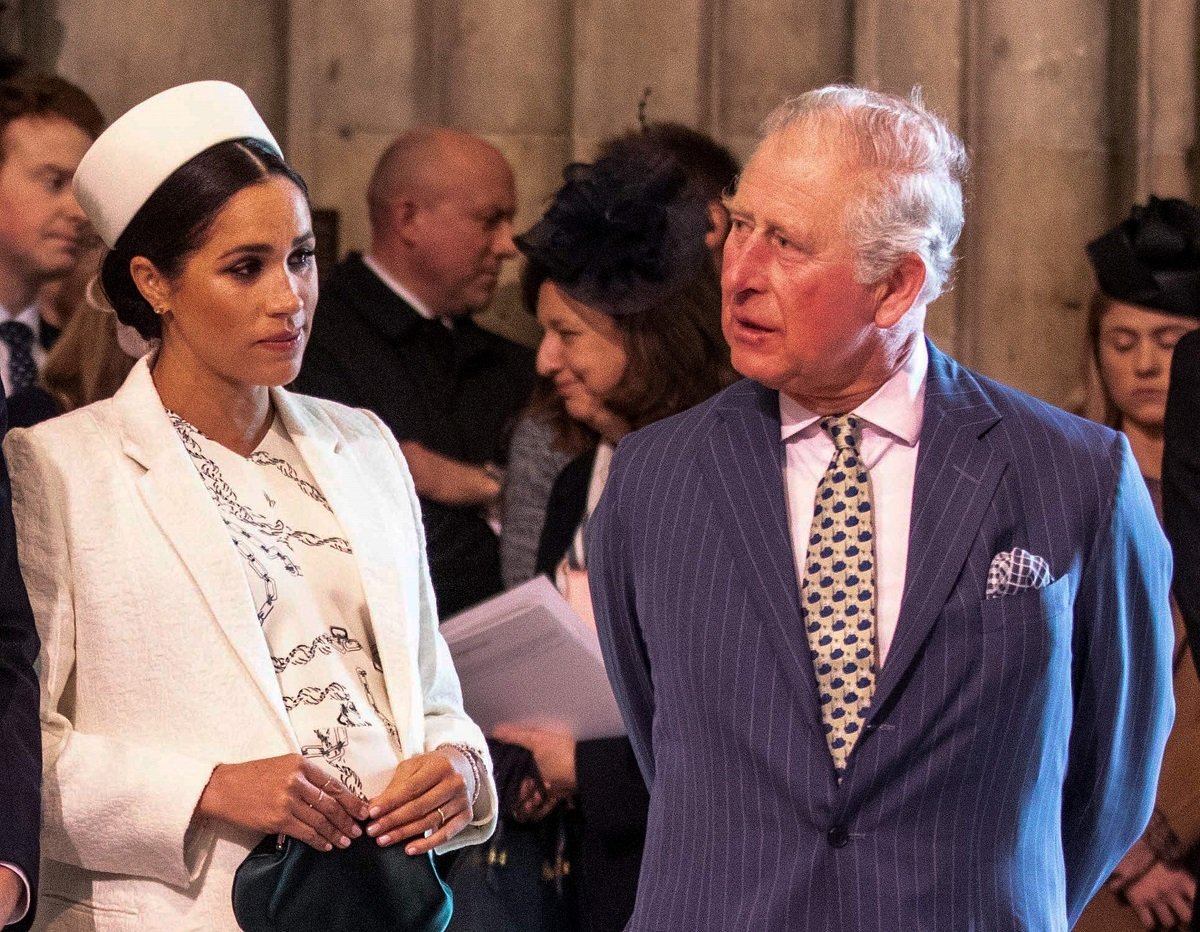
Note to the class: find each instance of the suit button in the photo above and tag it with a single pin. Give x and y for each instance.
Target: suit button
(838, 837)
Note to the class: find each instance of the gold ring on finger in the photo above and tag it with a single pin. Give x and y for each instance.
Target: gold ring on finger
(441, 815)
(325, 785)
(319, 798)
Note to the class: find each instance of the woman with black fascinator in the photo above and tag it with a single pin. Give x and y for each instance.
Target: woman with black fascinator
(1148, 272)
(625, 288)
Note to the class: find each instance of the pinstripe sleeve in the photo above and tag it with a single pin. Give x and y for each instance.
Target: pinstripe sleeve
(1122, 684)
(611, 577)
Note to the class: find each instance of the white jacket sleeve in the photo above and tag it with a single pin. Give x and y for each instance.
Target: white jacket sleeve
(445, 720)
(110, 804)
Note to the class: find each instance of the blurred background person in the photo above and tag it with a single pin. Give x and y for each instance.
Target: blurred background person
(46, 124)
(545, 438)
(237, 624)
(1148, 272)
(395, 336)
(88, 362)
(623, 285)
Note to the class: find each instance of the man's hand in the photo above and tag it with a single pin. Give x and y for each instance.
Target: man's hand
(1163, 897)
(285, 795)
(12, 895)
(449, 481)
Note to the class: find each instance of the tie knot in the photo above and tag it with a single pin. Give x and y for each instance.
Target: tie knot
(16, 334)
(844, 430)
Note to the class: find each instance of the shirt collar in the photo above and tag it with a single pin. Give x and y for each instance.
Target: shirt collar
(375, 266)
(28, 316)
(897, 408)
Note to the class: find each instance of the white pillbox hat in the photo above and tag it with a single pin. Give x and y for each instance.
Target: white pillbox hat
(140, 150)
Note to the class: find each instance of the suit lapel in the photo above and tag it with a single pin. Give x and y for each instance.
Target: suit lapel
(180, 505)
(957, 474)
(339, 477)
(745, 476)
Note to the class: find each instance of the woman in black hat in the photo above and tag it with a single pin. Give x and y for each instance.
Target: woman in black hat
(624, 286)
(1148, 271)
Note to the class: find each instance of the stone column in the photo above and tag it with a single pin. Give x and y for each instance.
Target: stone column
(502, 69)
(903, 44)
(621, 47)
(769, 50)
(1038, 127)
(1168, 71)
(121, 54)
(350, 92)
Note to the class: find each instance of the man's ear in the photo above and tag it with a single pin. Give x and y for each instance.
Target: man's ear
(151, 283)
(718, 226)
(899, 290)
(403, 214)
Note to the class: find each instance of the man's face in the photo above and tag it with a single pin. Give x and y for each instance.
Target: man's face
(795, 317)
(462, 233)
(42, 228)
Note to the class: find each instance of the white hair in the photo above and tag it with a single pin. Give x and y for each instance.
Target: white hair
(915, 204)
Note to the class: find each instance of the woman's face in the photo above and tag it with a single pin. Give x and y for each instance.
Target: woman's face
(1134, 356)
(241, 307)
(582, 352)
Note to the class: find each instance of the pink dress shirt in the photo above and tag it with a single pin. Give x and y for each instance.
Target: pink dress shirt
(891, 431)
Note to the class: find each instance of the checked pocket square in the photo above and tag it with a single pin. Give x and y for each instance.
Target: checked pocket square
(1015, 571)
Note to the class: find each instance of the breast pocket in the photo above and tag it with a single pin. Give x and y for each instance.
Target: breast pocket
(1049, 607)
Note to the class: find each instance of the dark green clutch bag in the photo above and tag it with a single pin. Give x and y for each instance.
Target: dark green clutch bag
(291, 887)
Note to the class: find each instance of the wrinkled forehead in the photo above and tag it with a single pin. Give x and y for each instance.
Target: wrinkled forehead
(818, 143)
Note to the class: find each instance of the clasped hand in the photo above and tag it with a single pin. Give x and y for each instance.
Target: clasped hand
(289, 795)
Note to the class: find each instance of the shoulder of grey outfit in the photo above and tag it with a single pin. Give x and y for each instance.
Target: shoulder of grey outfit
(533, 464)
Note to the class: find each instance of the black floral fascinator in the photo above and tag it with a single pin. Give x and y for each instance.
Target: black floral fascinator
(622, 232)
(1152, 258)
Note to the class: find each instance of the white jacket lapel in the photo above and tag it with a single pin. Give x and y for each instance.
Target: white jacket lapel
(180, 505)
(379, 554)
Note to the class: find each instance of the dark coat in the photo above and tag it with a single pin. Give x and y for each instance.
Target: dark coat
(1181, 481)
(455, 392)
(20, 733)
(611, 793)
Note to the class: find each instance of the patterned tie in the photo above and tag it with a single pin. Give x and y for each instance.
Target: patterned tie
(838, 591)
(22, 370)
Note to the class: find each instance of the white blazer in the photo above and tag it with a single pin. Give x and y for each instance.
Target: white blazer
(154, 668)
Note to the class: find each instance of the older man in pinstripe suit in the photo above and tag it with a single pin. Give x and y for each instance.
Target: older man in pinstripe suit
(892, 640)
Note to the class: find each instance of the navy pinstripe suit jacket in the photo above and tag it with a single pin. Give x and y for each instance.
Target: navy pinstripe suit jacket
(1013, 744)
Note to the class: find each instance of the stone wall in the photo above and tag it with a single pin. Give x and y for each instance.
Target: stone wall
(1071, 108)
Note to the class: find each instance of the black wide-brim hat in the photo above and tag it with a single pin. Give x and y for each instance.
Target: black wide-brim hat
(1152, 258)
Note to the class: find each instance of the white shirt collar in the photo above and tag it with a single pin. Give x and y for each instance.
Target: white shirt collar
(374, 265)
(28, 316)
(897, 407)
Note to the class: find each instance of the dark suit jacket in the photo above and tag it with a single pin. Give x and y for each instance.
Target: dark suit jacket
(457, 395)
(20, 733)
(1012, 745)
(1181, 481)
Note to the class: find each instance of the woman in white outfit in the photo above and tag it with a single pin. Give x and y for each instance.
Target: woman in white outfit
(230, 582)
